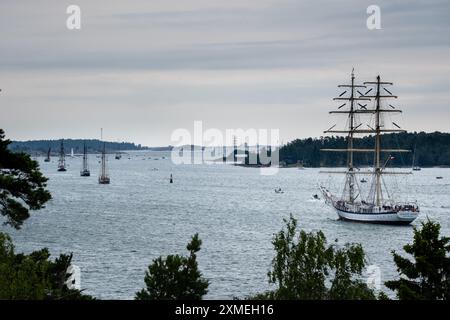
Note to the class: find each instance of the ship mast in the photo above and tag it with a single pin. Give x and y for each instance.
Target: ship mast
(353, 128)
(103, 162)
(378, 168)
(85, 164)
(62, 161)
(352, 99)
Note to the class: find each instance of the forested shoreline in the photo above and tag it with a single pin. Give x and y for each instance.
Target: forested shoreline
(427, 150)
(42, 146)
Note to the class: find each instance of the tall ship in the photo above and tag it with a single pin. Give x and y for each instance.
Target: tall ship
(104, 177)
(47, 159)
(62, 158)
(85, 169)
(379, 205)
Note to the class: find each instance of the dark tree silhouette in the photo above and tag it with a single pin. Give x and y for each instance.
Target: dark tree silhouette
(175, 277)
(22, 185)
(427, 276)
(431, 149)
(34, 276)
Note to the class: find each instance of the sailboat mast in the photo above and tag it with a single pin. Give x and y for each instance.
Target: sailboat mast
(103, 161)
(350, 189)
(62, 155)
(351, 176)
(84, 157)
(377, 145)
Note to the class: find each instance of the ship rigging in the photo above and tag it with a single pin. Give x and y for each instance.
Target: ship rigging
(379, 205)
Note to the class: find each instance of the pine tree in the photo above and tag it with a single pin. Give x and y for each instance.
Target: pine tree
(22, 185)
(427, 276)
(175, 277)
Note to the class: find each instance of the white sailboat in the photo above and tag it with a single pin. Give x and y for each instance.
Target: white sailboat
(378, 206)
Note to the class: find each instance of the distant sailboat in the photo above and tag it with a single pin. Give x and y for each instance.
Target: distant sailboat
(118, 156)
(103, 178)
(62, 158)
(415, 167)
(85, 170)
(48, 156)
(71, 153)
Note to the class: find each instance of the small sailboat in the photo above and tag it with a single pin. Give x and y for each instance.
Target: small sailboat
(363, 180)
(85, 169)
(71, 153)
(103, 178)
(47, 159)
(62, 158)
(118, 156)
(414, 166)
(171, 178)
(378, 206)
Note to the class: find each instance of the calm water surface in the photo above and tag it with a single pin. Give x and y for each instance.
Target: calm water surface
(116, 230)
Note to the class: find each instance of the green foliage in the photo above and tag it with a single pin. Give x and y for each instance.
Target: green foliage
(175, 277)
(431, 149)
(427, 277)
(22, 185)
(305, 267)
(34, 276)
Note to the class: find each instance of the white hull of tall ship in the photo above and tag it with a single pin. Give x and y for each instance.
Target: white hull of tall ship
(393, 217)
(399, 214)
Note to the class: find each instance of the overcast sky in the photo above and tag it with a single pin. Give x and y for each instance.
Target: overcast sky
(141, 69)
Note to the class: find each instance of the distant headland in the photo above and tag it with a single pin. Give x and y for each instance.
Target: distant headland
(93, 145)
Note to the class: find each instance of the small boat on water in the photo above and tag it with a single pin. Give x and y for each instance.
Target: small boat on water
(62, 158)
(378, 206)
(414, 166)
(85, 170)
(278, 190)
(118, 156)
(363, 180)
(439, 177)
